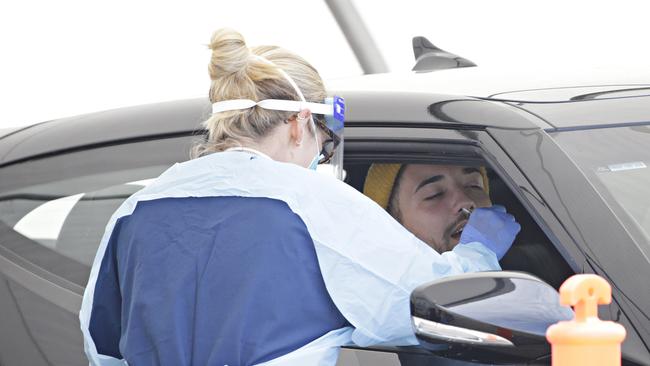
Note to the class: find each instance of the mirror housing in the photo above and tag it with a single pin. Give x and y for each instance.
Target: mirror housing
(488, 317)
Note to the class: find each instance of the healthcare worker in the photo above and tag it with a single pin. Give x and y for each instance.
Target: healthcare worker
(246, 255)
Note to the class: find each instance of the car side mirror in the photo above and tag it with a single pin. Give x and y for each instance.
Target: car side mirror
(487, 317)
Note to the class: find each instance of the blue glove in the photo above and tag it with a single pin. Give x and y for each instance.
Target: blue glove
(492, 227)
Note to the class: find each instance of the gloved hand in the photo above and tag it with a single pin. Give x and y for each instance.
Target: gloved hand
(493, 227)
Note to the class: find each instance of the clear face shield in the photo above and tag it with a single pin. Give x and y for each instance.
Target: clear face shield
(331, 160)
(330, 157)
(327, 117)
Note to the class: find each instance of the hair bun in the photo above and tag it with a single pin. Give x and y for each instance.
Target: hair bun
(230, 54)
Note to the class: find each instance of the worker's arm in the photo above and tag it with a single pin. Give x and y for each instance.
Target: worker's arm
(371, 263)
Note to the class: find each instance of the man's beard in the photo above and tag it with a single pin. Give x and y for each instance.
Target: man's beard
(448, 242)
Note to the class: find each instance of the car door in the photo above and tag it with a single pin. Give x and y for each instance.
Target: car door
(53, 210)
(534, 178)
(463, 146)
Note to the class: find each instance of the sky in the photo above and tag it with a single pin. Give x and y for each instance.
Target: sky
(69, 57)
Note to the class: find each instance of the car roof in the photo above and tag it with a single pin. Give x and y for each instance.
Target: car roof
(7, 131)
(535, 85)
(467, 98)
(95, 129)
(180, 118)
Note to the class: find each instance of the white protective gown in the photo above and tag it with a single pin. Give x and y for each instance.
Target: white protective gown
(369, 262)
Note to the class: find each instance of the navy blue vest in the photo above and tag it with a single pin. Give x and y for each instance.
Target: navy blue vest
(209, 281)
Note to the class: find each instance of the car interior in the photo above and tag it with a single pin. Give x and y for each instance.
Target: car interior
(532, 251)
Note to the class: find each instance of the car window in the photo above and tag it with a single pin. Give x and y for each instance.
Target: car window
(54, 210)
(617, 162)
(531, 252)
(68, 224)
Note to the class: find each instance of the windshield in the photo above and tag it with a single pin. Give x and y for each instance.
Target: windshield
(617, 162)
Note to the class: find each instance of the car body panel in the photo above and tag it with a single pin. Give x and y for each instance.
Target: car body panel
(185, 117)
(484, 82)
(126, 124)
(595, 113)
(567, 94)
(7, 131)
(397, 107)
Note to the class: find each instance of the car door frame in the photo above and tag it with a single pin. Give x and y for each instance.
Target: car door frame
(394, 144)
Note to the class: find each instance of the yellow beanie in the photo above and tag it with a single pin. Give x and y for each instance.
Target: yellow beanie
(380, 181)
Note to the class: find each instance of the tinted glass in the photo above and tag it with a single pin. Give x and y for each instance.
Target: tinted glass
(617, 163)
(69, 224)
(53, 211)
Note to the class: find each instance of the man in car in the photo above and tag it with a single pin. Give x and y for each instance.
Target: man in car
(436, 202)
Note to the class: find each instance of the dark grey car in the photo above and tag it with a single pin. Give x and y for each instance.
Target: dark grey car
(571, 163)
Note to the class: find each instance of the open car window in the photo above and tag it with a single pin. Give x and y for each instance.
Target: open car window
(531, 251)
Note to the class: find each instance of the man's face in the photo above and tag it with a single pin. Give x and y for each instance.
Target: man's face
(430, 198)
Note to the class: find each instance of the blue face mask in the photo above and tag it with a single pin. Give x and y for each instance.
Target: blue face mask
(314, 162)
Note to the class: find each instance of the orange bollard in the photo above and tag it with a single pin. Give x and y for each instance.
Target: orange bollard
(586, 340)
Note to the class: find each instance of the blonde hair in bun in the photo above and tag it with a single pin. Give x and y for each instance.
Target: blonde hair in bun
(240, 72)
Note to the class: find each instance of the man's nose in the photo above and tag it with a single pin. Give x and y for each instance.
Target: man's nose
(462, 201)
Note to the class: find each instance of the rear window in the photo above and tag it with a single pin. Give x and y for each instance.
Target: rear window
(54, 210)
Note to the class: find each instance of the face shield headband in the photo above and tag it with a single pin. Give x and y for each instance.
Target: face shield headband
(333, 110)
